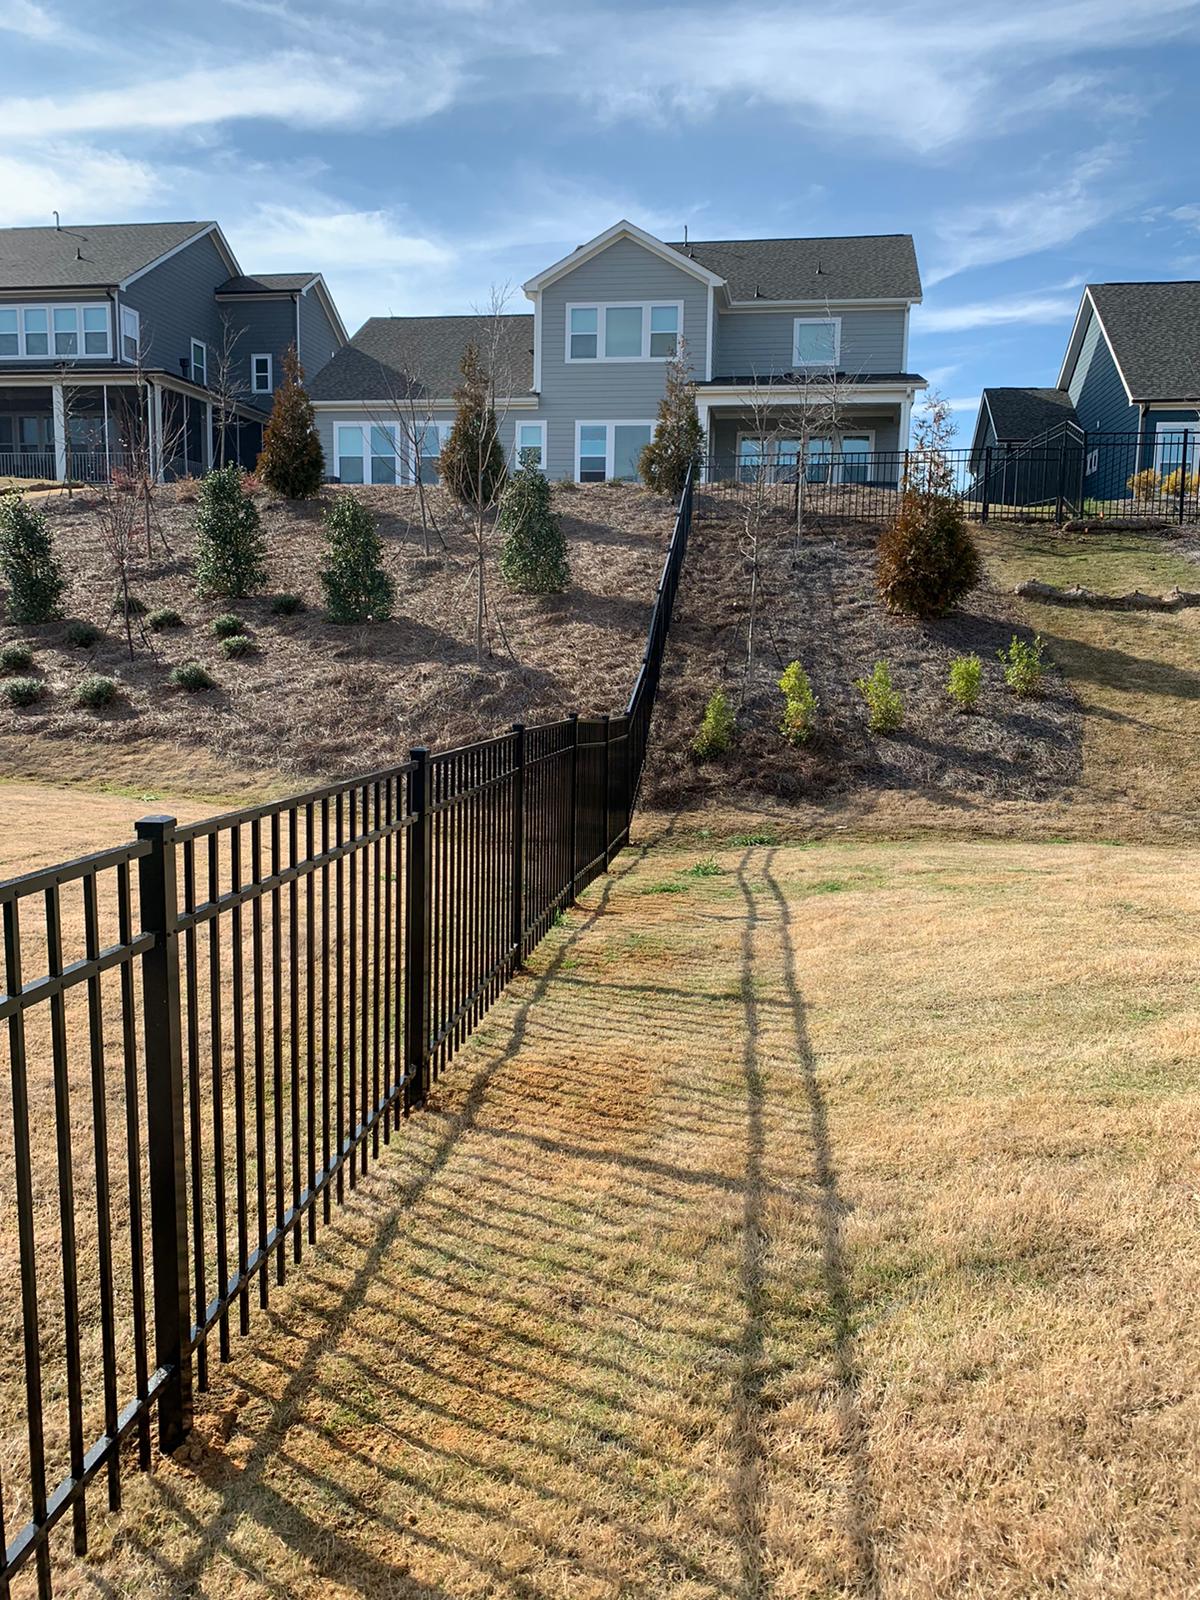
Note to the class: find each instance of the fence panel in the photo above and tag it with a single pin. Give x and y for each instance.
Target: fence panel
(211, 1031)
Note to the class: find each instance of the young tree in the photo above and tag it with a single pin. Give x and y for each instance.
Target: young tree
(118, 519)
(292, 462)
(31, 571)
(533, 557)
(678, 443)
(230, 548)
(357, 588)
(227, 382)
(472, 462)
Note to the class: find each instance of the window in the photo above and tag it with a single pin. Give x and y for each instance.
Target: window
(260, 374)
(816, 341)
(199, 362)
(530, 436)
(131, 333)
(53, 330)
(605, 450)
(631, 332)
(366, 453)
(1172, 439)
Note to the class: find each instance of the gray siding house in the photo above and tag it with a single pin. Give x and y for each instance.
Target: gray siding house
(769, 326)
(145, 336)
(1128, 391)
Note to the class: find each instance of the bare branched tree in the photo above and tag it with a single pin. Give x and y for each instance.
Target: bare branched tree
(403, 405)
(227, 380)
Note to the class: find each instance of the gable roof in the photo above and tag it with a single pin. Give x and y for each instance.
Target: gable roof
(621, 230)
(268, 283)
(1024, 413)
(419, 357)
(869, 266)
(98, 256)
(1153, 331)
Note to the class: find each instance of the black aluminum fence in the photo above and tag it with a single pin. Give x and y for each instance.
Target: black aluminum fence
(211, 1031)
(1151, 477)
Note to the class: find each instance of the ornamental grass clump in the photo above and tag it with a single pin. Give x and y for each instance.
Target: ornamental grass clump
(231, 553)
(165, 618)
(533, 558)
(885, 709)
(22, 691)
(16, 658)
(81, 635)
(965, 682)
(97, 693)
(227, 626)
(357, 587)
(192, 678)
(29, 568)
(1024, 668)
(237, 645)
(714, 737)
(800, 704)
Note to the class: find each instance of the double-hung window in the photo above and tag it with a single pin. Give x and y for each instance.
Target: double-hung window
(634, 331)
(816, 342)
(53, 330)
(260, 374)
(607, 450)
(131, 332)
(199, 362)
(366, 453)
(530, 436)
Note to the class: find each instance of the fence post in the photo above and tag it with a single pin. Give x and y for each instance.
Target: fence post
(607, 721)
(518, 864)
(161, 1022)
(1083, 455)
(574, 801)
(1183, 477)
(416, 947)
(1060, 508)
(987, 483)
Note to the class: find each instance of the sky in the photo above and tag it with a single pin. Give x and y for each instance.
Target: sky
(422, 154)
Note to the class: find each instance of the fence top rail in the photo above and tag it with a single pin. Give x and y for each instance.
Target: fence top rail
(43, 878)
(294, 802)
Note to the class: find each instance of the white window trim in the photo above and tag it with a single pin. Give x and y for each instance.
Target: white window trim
(528, 422)
(365, 429)
(610, 438)
(132, 313)
(50, 307)
(824, 322)
(262, 355)
(602, 308)
(413, 465)
(198, 344)
(836, 439)
(1162, 444)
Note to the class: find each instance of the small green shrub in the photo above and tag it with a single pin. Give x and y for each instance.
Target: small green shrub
(81, 635)
(227, 626)
(717, 727)
(1144, 485)
(927, 558)
(22, 691)
(287, 605)
(885, 709)
(965, 682)
(231, 552)
(755, 836)
(191, 677)
(29, 567)
(706, 867)
(800, 704)
(16, 658)
(166, 617)
(238, 645)
(357, 588)
(137, 606)
(533, 558)
(93, 694)
(1024, 668)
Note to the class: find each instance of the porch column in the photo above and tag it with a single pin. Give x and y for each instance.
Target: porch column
(107, 447)
(704, 412)
(208, 436)
(58, 402)
(156, 433)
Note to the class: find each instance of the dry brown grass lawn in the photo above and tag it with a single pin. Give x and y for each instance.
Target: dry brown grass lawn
(806, 1221)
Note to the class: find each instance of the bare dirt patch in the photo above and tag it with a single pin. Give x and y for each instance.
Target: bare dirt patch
(866, 1286)
(819, 605)
(326, 700)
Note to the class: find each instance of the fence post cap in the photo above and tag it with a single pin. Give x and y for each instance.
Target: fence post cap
(154, 827)
(572, 716)
(418, 752)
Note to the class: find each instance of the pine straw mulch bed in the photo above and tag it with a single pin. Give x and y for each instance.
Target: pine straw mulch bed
(322, 700)
(819, 605)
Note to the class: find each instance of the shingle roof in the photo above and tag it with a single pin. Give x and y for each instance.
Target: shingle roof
(1154, 331)
(395, 357)
(858, 267)
(267, 283)
(1023, 413)
(79, 257)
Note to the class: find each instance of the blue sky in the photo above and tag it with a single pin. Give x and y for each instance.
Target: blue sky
(420, 153)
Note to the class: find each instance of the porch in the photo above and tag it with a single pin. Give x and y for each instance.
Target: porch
(863, 445)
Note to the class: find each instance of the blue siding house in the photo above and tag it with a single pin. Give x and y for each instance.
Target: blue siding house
(143, 337)
(767, 326)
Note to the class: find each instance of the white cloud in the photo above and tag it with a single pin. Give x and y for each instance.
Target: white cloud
(77, 181)
(1023, 309)
(28, 19)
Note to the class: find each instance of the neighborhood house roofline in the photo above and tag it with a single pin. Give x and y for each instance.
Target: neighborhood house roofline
(1152, 332)
(100, 256)
(1075, 344)
(205, 229)
(283, 286)
(620, 230)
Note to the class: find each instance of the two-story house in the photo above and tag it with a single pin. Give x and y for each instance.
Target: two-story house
(1129, 386)
(767, 325)
(147, 337)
